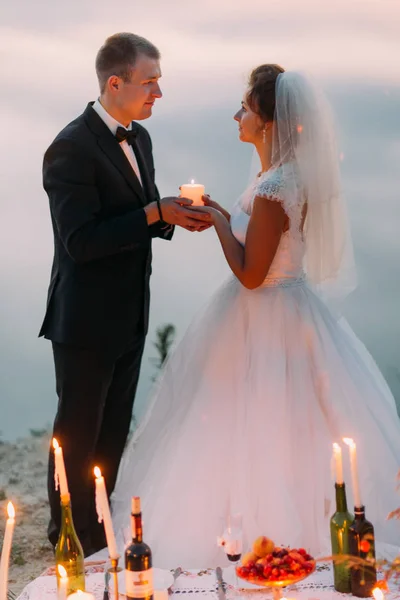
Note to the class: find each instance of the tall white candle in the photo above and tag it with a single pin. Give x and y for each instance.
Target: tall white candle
(103, 512)
(337, 454)
(6, 551)
(354, 471)
(193, 191)
(60, 476)
(62, 583)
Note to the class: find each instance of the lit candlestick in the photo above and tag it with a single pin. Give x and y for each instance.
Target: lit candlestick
(79, 595)
(6, 551)
(103, 512)
(337, 454)
(60, 476)
(193, 191)
(354, 471)
(62, 583)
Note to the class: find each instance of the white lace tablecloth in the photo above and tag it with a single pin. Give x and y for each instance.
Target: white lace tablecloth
(203, 583)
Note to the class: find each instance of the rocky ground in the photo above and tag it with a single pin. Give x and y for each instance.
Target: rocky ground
(23, 476)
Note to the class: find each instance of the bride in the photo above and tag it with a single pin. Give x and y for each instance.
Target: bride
(267, 377)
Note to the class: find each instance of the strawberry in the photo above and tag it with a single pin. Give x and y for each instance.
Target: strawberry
(269, 558)
(267, 571)
(308, 557)
(259, 567)
(297, 557)
(283, 572)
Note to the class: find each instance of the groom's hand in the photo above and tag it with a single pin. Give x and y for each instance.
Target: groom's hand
(179, 213)
(175, 211)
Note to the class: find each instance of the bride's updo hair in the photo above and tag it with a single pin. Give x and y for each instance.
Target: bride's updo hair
(261, 93)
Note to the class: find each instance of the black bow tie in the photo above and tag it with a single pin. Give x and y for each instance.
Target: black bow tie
(125, 134)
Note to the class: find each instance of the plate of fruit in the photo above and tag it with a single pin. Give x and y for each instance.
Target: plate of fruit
(268, 565)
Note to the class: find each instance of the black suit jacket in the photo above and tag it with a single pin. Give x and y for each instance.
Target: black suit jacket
(99, 289)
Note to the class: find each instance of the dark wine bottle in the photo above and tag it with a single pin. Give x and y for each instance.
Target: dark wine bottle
(68, 551)
(339, 525)
(362, 545)
(138, 560)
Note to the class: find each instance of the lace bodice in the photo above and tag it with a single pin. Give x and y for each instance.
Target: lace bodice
(287, 265)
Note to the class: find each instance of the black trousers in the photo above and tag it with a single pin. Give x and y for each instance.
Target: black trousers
(96, 393)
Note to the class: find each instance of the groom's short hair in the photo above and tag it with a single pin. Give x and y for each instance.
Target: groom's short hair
(118, 55)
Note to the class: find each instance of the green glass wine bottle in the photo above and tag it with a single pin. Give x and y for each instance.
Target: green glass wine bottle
(339, 525)
(362, 545)
(68, 552)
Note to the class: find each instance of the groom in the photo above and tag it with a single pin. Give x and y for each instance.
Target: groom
(105, 210)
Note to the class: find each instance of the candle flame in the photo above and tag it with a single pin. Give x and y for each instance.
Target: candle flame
(10, 510)
(349, 442)
(61, 571)
(378, 594)
(336, 446)
(55, 444)
(299, 128)
(192, 181)
(97, 472)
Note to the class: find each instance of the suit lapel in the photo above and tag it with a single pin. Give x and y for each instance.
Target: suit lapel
(117, 156)
(144, 173)
(114, 152)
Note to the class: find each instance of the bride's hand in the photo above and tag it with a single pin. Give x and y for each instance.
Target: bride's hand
(215, 214)
(208, 202)
(212, 204)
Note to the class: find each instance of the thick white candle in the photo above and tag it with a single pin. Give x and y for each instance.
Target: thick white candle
(193, 191)
(78, 595)
(354, 471)
(103, 512)
(60, 476)
(62, 583)
(337, 454)
(6, 551)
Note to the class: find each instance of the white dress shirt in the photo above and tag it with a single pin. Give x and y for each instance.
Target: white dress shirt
(113, 125)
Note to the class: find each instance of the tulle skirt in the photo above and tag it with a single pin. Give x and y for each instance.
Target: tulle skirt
(243, 419)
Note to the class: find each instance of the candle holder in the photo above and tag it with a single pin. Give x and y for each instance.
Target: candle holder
(114, 570)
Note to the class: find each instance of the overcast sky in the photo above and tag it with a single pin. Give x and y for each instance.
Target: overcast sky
(47, 52)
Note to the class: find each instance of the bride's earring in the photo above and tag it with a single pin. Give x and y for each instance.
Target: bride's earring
(264, 136)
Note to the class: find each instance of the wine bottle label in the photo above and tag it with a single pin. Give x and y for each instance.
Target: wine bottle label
(139, 584)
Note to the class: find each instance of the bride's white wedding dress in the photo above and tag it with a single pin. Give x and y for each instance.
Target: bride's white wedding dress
(245, 414)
